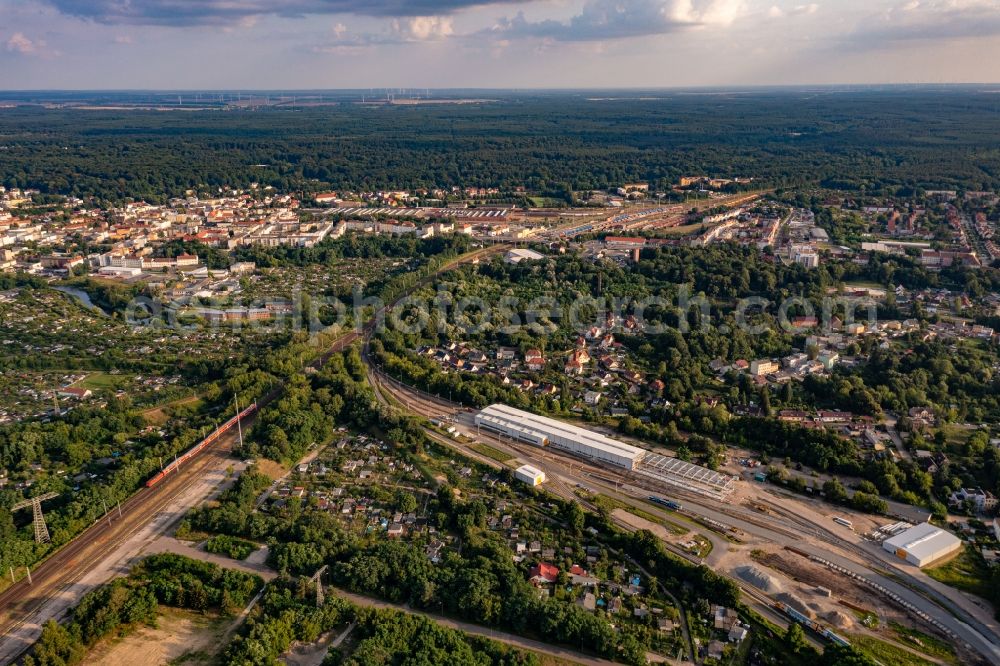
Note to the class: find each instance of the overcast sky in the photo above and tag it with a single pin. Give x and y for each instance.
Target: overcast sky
(296, 44)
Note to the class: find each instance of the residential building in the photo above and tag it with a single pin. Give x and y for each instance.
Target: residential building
(983, 500)
(762, 367)
(543, 574)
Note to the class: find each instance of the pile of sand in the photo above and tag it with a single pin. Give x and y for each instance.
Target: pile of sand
(839, 620)
(797, 604)
(759, 579)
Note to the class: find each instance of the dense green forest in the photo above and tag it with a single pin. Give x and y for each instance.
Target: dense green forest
(392, 637)
(867, 140)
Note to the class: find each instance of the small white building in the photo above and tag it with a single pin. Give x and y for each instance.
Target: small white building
(922, 544)
(530, 475)
(518, 255)
(829, 359)
(119, 271)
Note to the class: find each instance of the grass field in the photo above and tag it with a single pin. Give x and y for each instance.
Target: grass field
(966, 572)
(179, 637)
(955, 435)
(161, 414)
(929, 645)
(490, 452)
(271, 469)
(887, 654)
(97, 381)
(863, 284)
(609, 504)
(684, 230)
(546, 202)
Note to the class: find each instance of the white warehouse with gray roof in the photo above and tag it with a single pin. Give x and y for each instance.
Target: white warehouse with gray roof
(541, 431)
(515, 424)
(923, 544)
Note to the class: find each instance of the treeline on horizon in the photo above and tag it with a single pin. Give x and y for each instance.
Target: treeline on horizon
(866, 142)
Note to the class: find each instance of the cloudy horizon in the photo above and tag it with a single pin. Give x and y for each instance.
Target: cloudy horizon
(327, 44)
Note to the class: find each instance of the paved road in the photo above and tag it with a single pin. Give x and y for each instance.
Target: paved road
(979, 637)
(890, 428)
(428, 406)
(167, 544)
(976, 635)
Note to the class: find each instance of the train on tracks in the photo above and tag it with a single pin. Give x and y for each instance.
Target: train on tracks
(812, 624)
(670, 504)
(201, 446)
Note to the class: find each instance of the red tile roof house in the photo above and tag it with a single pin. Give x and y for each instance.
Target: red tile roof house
(74, 392)
(534, 360)
(543, 574)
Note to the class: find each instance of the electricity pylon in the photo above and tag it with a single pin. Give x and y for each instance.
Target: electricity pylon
(41, 530)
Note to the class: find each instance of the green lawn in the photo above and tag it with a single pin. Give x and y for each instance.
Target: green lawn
(162, 413)
(966, 572)
(490, 452)
(955, 435)
(546, 202)
(97, 381)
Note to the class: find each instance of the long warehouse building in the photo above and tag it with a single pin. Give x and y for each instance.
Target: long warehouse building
(923, 544)
(543, 431)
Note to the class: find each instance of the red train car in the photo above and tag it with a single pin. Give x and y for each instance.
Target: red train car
(200, 446)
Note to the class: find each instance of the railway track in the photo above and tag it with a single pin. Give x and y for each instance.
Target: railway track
(427, 406)
(66, 567)
(786, 524)
(782, 523)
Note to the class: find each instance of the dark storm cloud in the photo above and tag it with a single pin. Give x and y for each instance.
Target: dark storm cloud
(223, 12)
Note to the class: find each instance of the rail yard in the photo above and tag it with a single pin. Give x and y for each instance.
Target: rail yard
(810, 539)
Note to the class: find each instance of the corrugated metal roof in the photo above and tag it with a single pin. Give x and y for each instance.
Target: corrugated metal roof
(546, 426)
(922, 541)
